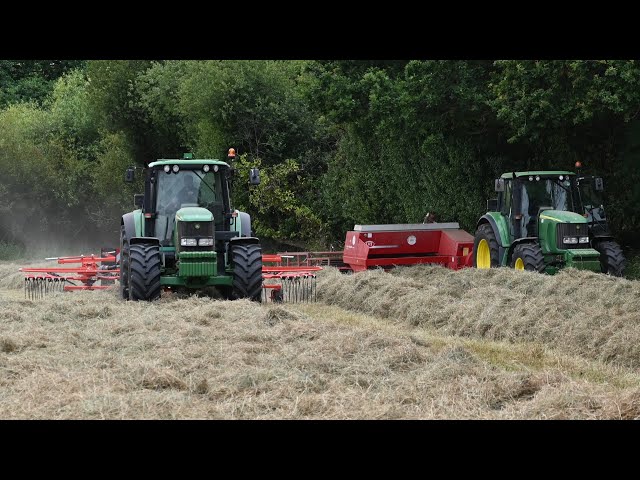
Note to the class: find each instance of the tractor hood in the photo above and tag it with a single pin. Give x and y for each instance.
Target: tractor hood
(195, 214)
(561, 216)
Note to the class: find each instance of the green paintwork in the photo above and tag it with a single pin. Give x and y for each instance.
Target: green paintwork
(196, 269)
(194, 214)
(547, 173)
(196, 282)
(503, 228)
(163, 161)
(197, 255)
(138, 221)
(547, 228)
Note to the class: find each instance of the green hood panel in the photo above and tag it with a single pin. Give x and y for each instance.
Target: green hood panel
(561, 216)
(194, 214)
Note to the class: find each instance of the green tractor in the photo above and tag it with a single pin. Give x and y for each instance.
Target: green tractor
(185, 235)
(540, 222)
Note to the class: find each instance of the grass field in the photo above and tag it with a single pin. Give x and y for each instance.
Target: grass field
(419, 343)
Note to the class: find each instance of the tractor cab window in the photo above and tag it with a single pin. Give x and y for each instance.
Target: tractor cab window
(505, 198)
(187, 188)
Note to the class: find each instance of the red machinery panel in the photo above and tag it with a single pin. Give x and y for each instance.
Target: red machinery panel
(369, 246)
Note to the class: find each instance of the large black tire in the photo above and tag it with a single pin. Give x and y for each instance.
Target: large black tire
(612, 261)
(145, 267)
(528, 256)
(247, 271)
(124, 264)
(485, 238)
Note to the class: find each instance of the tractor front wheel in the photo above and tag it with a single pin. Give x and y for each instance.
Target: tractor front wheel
(485, 248)
(612, 260)
(124, 264)
(145, 266)
(247, 271)
(528, 256)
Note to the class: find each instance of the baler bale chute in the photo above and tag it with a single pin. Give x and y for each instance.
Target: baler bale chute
(387, 246)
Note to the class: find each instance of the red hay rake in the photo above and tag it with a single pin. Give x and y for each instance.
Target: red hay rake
(41, 281)
(293, 284)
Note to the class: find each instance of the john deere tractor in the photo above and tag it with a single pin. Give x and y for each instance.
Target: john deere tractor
(186, 236)
(540, 222)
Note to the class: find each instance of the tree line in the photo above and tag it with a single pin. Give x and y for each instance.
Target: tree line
(337, 142)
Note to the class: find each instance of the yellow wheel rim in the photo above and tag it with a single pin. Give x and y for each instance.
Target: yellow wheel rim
(519, 264)
(483, 255)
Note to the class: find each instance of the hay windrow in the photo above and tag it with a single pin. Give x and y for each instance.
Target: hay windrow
(576, 312)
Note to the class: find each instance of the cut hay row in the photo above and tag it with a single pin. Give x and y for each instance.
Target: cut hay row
(575, 312)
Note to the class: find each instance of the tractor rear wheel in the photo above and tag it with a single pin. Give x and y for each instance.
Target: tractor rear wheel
(485, 248)
(144, 272)
(528, 256)
(247, 271)
(124, 264)
(612, 260)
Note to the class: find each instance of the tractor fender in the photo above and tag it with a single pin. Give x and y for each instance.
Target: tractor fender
(129, 222)
(601, 238)
(517, 242)
(245, 224)
(147, 240)
(238, 240)
(496, 231)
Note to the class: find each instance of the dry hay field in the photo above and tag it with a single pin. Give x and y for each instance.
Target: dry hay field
(417, 343)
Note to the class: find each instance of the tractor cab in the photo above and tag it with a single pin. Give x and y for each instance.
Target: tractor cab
(525, 198)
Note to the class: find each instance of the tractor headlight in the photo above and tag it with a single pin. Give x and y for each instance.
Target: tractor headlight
(584, 240)
(175, 168)
(167, 168)
(205, 242)
(570, 240)
(216, 168)
(188, 242)
(206, 168)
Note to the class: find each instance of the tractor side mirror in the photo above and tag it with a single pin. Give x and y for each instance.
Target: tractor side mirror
(138, 200)
(599, 184)
(499, 185)
(130, 175)
(254, 176)
(492, 205)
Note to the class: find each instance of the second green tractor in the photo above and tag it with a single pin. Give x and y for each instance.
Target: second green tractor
(546, 220)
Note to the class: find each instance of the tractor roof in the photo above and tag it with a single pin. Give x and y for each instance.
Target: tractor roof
(182, 161)
(542, 173)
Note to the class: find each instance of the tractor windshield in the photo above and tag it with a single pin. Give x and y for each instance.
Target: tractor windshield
(546, 192)
(187, 188)
(550, 193)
